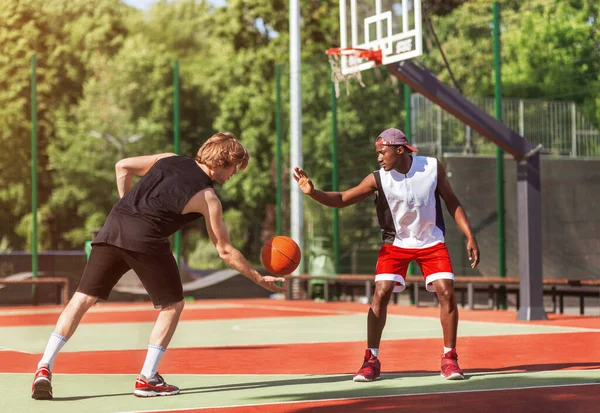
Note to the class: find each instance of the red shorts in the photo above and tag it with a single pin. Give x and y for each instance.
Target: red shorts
(392, 264)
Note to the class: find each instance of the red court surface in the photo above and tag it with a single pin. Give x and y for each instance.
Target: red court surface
(580, 399)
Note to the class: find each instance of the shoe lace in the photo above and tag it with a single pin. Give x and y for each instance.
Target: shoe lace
(160, 380)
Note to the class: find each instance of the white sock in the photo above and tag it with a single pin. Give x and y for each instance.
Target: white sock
(447, 349)
(153, 357)
(55, 343)
(375, 352)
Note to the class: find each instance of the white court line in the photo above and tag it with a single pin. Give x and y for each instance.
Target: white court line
(301, 309)
(388, 375)
(361, 398)
(110, 309)
(194, 305)
(347, 312)
(16, 351)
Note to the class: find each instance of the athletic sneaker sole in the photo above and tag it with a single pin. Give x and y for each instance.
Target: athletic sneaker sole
(42, 390)
(363, 379)
(152, 393)
(454, 376)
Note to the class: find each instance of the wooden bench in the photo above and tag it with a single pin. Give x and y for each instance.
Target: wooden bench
(465, 286)
(62, 284)
(556, 288)
(346, 280)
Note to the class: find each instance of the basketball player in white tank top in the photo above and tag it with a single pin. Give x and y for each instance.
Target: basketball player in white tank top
(408, 191)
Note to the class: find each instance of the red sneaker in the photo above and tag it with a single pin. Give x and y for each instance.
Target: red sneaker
(155, 386)
(41, 389)
(370, 370)
(450, 369)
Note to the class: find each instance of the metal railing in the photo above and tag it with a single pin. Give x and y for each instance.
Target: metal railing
(559, 126)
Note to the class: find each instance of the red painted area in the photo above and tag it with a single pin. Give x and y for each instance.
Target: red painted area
(548, 400)
(150, 315)
(517, 353)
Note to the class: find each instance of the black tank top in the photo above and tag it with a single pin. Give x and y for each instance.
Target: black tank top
(151, 211)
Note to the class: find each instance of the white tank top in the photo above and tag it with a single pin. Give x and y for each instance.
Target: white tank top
(408, 206)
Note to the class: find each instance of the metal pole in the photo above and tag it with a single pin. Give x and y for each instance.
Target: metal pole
(521, 118)
(176, 138)
(34, 184)
(440, 143)
(334, 179)
(296, 206)
(278, 156)
(573, 131)
(408, 132)
(499, 159)
(531, 287)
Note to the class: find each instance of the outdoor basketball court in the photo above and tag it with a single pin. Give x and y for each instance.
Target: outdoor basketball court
(273, 356)
(299, 356)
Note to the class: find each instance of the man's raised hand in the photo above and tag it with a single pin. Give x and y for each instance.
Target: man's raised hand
(303, 181)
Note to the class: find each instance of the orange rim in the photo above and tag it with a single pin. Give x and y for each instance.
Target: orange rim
(373, 55)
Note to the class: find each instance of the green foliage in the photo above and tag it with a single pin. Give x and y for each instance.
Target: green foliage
(64, 35)
(105, 75)
(205, 256)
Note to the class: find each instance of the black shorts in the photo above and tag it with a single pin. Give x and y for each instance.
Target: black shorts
(107, 264)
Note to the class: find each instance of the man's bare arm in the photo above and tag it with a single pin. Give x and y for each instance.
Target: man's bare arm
(458, 213)
(127, 168)
(336, 199)
(209, 205)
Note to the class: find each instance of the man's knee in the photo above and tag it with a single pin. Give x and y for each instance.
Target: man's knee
(82, 301)
(383, 292)
(445, 294)
(177, 307)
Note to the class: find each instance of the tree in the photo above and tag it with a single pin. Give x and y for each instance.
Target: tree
(63, 35)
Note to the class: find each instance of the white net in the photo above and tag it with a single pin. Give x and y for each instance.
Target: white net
(353, 60)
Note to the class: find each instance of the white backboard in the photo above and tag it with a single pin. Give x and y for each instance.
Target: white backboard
(392, 26)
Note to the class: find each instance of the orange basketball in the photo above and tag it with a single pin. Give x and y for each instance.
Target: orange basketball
(280, 255)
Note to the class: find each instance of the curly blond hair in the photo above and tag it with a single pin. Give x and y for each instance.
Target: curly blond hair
(223, 150)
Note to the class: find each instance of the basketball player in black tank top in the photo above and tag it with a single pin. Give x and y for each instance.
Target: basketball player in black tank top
(173, 192)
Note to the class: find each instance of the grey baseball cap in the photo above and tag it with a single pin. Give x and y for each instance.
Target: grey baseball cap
(393, 136)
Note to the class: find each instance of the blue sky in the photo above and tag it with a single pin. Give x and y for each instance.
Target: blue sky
(146, 4)
(140, 4)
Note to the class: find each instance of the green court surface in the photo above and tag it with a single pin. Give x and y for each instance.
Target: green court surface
(78, 393)
(257, 331)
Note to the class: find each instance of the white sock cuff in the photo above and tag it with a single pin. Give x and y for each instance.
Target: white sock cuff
(159, 348)
(58, 336)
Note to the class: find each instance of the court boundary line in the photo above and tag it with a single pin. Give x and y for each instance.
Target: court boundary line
(206, 306)
(2, 348)
(359, 398)
(434, 374)
(103, 308)
(349, 312)
(341, 312)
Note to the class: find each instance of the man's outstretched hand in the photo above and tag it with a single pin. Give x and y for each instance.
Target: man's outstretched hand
(303, 180)
(268, 282)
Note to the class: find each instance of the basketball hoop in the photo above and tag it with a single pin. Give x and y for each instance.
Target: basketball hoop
(352, 59)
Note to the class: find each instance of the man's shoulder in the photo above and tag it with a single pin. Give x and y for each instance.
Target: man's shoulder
(427, 162)
(425, 158)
